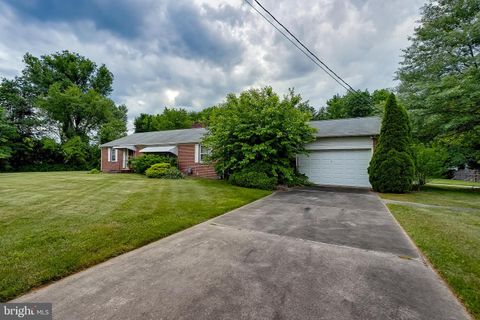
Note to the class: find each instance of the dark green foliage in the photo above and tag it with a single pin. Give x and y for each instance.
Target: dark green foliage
(440, 77)
(142, 163)
(393, 172)
(252, 179)
(94, 171)
(66, 69)
(430, 162)
(170, 119)
(299, 179)
(258, 129)
(62, 95)
(163, 171)
(354, 105)
(392, 168)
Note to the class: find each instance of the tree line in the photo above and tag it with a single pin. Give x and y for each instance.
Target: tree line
(56, 113)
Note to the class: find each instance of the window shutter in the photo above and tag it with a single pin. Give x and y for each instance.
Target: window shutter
(197, 153)
(109, 155)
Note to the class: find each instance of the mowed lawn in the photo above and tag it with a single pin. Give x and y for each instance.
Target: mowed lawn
(449, 237)
(53, 224)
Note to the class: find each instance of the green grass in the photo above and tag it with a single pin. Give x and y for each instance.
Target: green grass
(441, 196)
(54, 224)
(455, 182)
(450, 239)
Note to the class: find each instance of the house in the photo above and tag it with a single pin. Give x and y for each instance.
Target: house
(339, 156)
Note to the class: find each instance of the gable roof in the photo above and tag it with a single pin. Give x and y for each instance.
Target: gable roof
(167, 137)
(369, 126)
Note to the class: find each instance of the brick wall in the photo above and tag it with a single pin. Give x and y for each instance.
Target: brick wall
(111, 166)
(186, 160)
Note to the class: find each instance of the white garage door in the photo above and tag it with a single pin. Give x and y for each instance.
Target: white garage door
(337, 167)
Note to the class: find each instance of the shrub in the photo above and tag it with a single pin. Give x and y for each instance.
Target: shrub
(299, 179)
(396, 172)
(163, 171)
(94, 171)
(259, 128)
(253, 179)
(392, 168)
(142, 163)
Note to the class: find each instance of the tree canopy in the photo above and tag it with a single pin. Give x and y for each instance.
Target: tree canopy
(169, 119)
(60, 98)
(354, 105)
(440, 77)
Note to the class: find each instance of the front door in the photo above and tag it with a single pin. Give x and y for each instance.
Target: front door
(125, 158)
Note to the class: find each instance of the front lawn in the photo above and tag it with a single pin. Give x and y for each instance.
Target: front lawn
(450, 239)
(54, 224)
(455, 182)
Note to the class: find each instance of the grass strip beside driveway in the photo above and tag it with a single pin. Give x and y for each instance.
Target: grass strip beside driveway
(450, 239)
(54, 224)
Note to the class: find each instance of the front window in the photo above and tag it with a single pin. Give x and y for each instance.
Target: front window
(113, 155)
(204, 153)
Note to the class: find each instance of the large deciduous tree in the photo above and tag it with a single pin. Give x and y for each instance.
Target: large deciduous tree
(392, 168)
(440, 76)
(260, 132)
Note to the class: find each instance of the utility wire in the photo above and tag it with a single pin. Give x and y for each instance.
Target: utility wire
(308, 50)
(303, 51)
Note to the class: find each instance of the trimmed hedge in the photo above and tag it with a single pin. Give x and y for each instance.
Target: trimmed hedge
(252, 179)
(142, 163)
(163, 171)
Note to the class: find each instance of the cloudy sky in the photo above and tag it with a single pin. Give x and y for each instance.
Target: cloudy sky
(191, 53)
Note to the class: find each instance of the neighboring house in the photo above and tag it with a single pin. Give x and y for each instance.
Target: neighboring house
(340, 155)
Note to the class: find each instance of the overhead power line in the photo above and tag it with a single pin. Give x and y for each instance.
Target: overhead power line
(305, 47)
(305, 50)
(299, 48)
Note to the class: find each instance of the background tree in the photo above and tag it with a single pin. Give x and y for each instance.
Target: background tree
(440, 77)
(258, 132)
(392, 168)
(7, 132)
(62, 97)
(169, 119)
(354, 105)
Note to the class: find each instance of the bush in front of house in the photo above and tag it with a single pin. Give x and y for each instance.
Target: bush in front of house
(142, 163)
(163, 171)
(253, 179)
(392, 168)
(259, 128)
(94, 171)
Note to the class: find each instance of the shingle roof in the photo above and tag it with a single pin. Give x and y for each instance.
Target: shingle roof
(325, 128)
(369, 126)
(160, 137)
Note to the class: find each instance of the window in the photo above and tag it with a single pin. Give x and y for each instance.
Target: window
(113, 155)
(204, 153)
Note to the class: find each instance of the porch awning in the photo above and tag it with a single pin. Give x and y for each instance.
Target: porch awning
(125, 147)
(171, 149)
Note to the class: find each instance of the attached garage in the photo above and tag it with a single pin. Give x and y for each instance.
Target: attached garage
(341, 154)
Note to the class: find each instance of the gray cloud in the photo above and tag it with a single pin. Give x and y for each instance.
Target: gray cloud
(192, 53)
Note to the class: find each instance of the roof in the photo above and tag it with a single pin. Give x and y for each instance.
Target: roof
(369, 126)
(160, 137)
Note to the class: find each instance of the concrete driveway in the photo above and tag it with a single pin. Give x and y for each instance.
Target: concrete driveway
(302, 254)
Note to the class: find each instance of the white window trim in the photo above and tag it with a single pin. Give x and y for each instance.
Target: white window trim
(200, 153)
(110, 154)
(197, 153)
